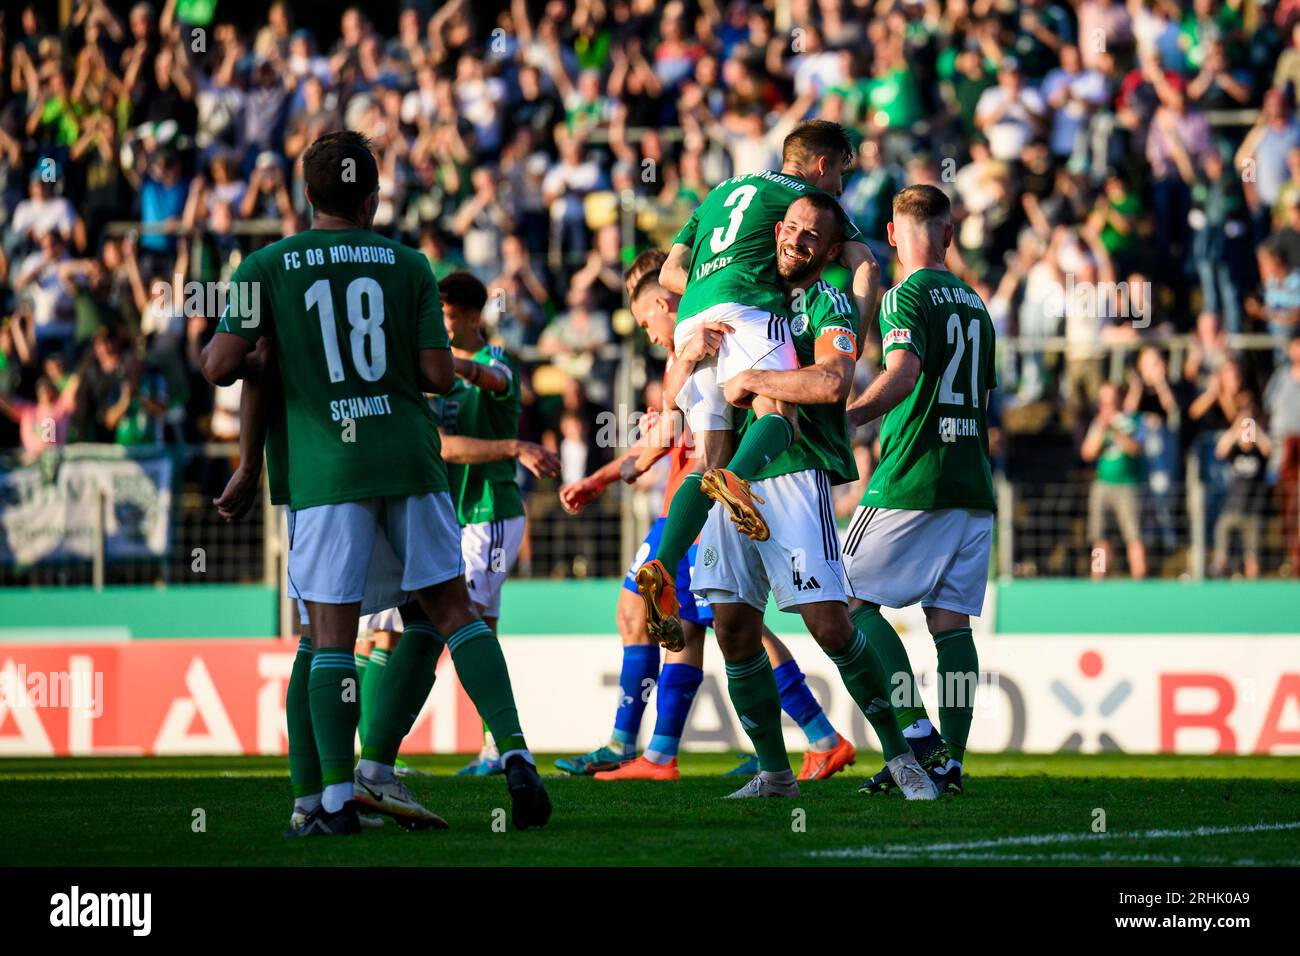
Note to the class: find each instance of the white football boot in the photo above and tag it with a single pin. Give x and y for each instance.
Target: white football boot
(391, 798)
(768, 784)
(914, 782)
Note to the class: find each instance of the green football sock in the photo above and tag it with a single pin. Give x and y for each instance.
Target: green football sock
(370, 679)
(959, 672)
(864, 676)
(362, 662)
(406, 678)
(762, 442)
(304, 762)
(687, 513)
(335, 705)
(481, 667)
(754, 694)
(897, 669)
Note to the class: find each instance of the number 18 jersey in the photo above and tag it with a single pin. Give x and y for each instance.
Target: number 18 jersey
(934, 444)
(348, 312)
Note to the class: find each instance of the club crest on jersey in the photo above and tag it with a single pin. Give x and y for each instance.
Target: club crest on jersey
(799, 324)
(898, 337)
(710, 557)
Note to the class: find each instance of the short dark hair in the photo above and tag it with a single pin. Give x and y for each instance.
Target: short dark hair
(824, 203)
(646, 262)
(340, 173)
(463, 291)
(647, 283)
(815, 138)
(922, 202)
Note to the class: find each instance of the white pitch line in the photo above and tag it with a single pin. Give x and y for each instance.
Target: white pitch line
(1042, 839)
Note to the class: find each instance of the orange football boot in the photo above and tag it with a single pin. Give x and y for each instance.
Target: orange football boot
(659, 592)
(642, 769)
(722, 485)
(820, 764)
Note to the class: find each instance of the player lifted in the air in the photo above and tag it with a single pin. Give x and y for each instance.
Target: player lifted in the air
(799, 563)
(923, 531)
(723, 264)
(655, 310)
(358, 336)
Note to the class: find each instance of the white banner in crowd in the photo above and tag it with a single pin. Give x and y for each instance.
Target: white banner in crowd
(48, 510)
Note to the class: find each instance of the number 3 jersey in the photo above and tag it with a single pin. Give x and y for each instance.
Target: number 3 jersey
(934, 445)
(348, 312)
(732, 235)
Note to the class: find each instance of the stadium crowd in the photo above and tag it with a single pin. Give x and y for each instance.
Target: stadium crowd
(1126, 178)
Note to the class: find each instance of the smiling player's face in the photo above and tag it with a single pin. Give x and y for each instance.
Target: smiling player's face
(804, 241)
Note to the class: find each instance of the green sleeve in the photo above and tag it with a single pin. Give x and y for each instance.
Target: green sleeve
(833, 310)
(431, 333)
(902, 322)
(686, 235)
(504, 362)
(248, 304)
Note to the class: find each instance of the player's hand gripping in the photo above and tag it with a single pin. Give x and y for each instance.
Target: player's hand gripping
(703, 343)
(542, 463)
(737, 391)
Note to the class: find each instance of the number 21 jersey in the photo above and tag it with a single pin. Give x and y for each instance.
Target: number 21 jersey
(934, 444)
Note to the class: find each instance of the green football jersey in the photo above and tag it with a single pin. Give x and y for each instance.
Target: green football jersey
(829, 316)
(732, 239)
(934, 445)
(348, 312)
(487, 492)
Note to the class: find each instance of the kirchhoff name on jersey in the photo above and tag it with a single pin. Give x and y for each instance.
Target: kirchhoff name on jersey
(363, 406)
(956, 296)
(951, 428)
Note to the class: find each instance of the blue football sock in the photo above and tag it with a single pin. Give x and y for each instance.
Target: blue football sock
(798, 701)
(635, 680)
(677, 686)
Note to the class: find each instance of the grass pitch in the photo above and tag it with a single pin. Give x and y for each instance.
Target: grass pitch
(1017, 810)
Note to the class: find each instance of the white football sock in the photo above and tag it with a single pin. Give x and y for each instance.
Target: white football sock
(922, 728)
(336, 794)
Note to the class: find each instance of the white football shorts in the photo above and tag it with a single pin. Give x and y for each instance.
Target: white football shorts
(798, 564)
(897, 557)
(757, 339)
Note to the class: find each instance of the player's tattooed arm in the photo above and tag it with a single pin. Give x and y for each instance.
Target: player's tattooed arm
(827, 381)
(673, 274)
(489, 378)
(895, 383)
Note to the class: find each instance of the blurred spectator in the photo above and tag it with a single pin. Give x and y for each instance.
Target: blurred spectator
(1282, 401)
(1245, 446)
(1113, 442)
(1219, 229)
